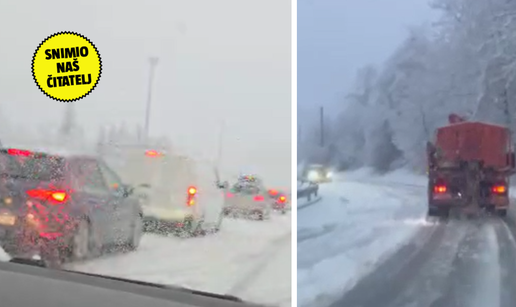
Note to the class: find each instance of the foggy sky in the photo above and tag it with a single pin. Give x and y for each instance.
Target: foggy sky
(219, 60)
(337, 37)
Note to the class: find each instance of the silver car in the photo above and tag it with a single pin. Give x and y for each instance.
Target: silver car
(249, 200)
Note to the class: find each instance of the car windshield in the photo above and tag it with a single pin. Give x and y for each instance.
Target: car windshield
(146, 113)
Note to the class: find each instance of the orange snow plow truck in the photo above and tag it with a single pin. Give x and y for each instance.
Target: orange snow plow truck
(469, 166)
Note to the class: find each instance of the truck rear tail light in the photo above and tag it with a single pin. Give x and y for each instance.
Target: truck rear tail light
(439, 189)
(499, 189)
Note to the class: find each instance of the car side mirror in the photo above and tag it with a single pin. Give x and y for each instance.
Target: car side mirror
(222, 185)
(123, 190)
(128, 190)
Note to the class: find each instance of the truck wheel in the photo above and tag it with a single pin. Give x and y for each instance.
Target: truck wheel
(136, 234)
(502, 212)
(80, 245)
(219, 223)
(197, 229)
(257, 215)
(51, 258)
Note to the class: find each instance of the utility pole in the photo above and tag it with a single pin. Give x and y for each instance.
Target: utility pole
(221, 142)
(322, 126)
(153, 63)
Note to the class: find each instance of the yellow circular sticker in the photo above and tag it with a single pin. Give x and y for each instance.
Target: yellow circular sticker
(66, 66)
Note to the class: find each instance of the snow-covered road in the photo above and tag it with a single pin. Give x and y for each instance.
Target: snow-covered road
(367, 243)
(248, 259)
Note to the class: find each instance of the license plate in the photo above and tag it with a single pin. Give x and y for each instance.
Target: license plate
(8, 220)
(442, 196)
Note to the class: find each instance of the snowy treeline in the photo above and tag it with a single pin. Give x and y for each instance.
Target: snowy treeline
(465, 63)
(69, 133)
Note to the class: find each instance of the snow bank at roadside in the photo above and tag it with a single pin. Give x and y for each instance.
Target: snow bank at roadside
(358, 223)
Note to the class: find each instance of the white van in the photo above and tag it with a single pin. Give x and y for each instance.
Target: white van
(178, 194)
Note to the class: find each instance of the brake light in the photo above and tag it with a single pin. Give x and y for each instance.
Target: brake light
(282, 199)
(192, 190)
(499, 189)
(258, 198)
(273, 192)
(152, 153)
(229, 195)
(440, 189)
(59, 196)
(190, 199)
(52, 196)
(18, 152)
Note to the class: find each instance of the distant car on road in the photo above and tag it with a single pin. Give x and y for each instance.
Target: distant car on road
(63, 207)
(248, 198)
(317, 173)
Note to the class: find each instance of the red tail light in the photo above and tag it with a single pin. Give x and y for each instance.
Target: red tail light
(273, 192)
(52, 196)
(18, 152)
(152, 153)
(229, 195)
(190, 199)
(440, 189)
(192, 190)
(499, 189)
(258, 198)
(282, 199)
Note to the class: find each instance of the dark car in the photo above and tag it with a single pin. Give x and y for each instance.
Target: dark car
(64, 207)
(307, 189)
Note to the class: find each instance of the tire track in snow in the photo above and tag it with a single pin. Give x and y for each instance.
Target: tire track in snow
(396, 273)
(474, 279)
(272, 250)
(481, 269)
(507, 245)
(507, 256)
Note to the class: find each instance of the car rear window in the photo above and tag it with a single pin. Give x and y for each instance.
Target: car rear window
(36, 166)
(245, 189)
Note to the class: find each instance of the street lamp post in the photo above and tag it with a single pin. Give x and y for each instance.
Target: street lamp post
(153, 63)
